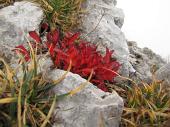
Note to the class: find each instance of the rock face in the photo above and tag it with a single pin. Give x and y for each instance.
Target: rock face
(15, 22)
(91, 107)
(164, 74)
(143, 61)
(102, 25)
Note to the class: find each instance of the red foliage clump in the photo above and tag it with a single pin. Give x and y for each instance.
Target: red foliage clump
(84, 57)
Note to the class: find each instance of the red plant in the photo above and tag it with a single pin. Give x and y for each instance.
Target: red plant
(21, 49)
(84, 57)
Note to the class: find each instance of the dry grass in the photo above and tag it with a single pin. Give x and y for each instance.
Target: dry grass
(65, 14)
(146, 105)
(24, 96)
(4, 3)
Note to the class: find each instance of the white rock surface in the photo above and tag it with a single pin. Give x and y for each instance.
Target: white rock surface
(91, 107)
(15, 22)
(143, 60)
(102, 24)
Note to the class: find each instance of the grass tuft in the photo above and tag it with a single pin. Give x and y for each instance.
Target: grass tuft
(146, 105)
(25, 94)
(65, 14)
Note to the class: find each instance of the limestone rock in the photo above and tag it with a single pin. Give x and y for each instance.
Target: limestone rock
(143, 61)
(15, 22)
(118, 17)
(102, 25)
(91, 107)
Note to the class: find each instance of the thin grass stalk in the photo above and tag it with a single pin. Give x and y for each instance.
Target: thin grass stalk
(41, 113)
(9, 73)
(130, 122)
(6, 115)
(25, 111)
(50, 112)
(8, 100)
(19, 110)
(31, 117)
(64, 75)
(82, 85)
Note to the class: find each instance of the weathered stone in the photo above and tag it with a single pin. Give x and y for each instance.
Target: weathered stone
(90, 107)
(15, 23)
(143, 61)
(102, 25)
(118, 17)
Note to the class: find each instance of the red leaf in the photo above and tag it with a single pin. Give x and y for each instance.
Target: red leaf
(72, 52)
(105, 74)
(23, 51)
(44, 26)
(51, 47)
(85, 72)
(53, 37)
(35, 36)
(103, 87)
(100, 84)
(73, 38)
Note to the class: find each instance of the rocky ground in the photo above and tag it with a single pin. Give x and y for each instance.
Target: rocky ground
(102, 25)
(144, 61)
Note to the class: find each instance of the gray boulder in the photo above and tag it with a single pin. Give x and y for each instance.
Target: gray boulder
(90, 107)
(15, 22)
(102, 25)
(144, 61)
